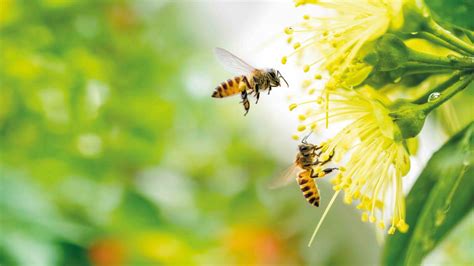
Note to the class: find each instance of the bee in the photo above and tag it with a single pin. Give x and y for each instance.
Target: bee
(249, 80)
(306, 159)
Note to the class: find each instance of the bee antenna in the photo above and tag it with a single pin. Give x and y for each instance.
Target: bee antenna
(281, 76)
(306, 138)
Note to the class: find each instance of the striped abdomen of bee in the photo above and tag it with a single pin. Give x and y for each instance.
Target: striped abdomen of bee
(231, 87)
(308, 187)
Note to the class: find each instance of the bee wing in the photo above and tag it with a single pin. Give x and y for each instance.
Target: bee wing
(232, 63)
(285, 178)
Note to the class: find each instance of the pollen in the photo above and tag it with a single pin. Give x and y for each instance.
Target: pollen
(364, 217)
(289, 39)
(301, 128)
(392, 230)
(332, 84)
(347, 199)
(306, 68)
(402, 226)
(319, 100)
(289, 30)
(292, 106)
(306, 83)
(325, 157)
(381, 225)
(318, 76)
(301, 117)
(312, 91)
(356, 194)
(318, 169)
(304, 2)
(284, 59)
(379, 204)
(295, 137)
(306, 17)
(296, 45)
(372, 219)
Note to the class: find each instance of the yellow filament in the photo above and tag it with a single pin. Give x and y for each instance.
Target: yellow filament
(327, 110)
(323, 217)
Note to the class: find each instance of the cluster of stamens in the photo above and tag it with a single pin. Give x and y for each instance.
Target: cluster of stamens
(374, 164)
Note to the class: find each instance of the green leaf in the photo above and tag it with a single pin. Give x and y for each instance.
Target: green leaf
(440, 198)
(458, 12)
(392, 52)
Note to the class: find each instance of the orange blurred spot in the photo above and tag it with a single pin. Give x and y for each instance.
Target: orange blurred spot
(107, 252)
(257, 246)
(122, 17)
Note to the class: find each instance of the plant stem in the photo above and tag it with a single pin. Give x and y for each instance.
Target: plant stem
(430, 37)
(411, 68)
(449, 37)
(447, 61)
(441, 87)
(461, 84)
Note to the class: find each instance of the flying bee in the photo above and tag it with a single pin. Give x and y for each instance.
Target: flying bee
(306, 159)
(249, 80)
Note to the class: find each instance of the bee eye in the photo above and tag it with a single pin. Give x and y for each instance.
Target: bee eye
(303, 148)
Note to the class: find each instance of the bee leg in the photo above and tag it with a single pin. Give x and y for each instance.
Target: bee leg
(247, 83)
(324, 162)
(317, 148)
(329, 170)
(324, 172)
(246, 106)
(245, 102)
(311, 173)
(257, 93)
(269, 90)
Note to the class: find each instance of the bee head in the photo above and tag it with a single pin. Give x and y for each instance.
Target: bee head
(305, 149)
(275, 77)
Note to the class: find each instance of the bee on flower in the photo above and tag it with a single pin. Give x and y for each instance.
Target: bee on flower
(366, 50)
(371, 150)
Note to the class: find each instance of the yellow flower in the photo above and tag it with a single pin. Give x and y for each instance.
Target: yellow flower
(339, 37)
(370, 150)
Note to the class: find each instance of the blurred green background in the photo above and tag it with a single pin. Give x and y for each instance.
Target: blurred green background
(111, 155)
